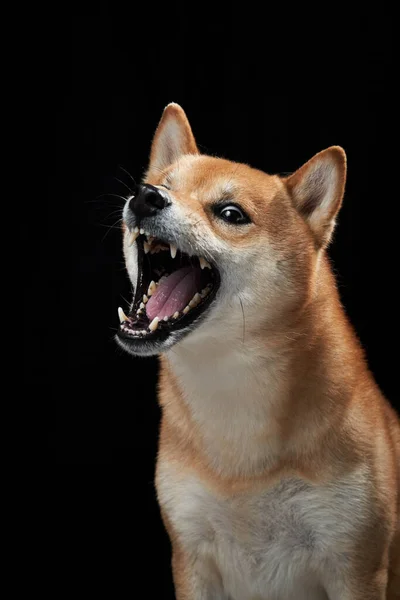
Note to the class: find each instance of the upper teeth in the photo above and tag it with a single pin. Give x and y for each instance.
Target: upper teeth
(149, 247)
(122, 315)
(132, 237)
(203, 263)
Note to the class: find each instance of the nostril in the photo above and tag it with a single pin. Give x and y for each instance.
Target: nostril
(147, 201)
(155, 199)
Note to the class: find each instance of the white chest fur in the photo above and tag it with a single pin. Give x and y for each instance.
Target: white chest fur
(231, 404)
(284, 542)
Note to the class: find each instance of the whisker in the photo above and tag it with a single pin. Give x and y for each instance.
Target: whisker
(244, 321)
(127, 172)
(110, 194)
(106, 204)
(124, 184)
(109, 227)
(114, 212)
(102, 208)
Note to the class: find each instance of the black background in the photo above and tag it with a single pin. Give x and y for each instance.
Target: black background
(255, 90)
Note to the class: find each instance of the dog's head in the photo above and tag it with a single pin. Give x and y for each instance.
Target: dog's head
(209, 242)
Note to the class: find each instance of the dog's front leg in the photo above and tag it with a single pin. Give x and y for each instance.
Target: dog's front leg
(196, 578)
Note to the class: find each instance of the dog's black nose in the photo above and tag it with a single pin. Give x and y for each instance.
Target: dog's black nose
(147, 201)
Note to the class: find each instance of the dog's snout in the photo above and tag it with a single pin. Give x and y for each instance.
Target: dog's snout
(147, 201)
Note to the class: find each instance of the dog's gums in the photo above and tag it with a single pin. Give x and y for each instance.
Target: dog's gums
(172, 289)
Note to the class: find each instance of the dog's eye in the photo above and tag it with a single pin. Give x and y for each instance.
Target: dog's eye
(233, 214)
(165, 186)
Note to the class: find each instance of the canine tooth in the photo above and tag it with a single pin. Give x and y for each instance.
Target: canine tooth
(141, 305)
(122, 315)
(146, 247)
(154, 324)
(186, 309)
(173, 250)
(152, 288)
(145, 298)
(136, 230)
(132, 237)
(141, 231)
(175, 315)
(165, 318)
(203, 263)
(204, 292)
(139, 311)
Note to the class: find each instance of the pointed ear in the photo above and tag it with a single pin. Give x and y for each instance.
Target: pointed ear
(317, 191)
(172, 139)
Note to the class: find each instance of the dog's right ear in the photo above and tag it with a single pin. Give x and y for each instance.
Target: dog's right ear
(172, 139)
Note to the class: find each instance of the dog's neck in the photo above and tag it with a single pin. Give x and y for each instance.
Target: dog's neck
(252, 397)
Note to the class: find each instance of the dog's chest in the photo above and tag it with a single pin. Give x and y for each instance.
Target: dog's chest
(270, 544)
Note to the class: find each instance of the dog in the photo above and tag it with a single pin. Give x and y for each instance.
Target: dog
(278, 471)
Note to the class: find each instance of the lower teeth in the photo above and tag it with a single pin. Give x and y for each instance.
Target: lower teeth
(153, 326)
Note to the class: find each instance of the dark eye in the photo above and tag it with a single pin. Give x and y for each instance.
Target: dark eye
(165, 186)
(233, 214)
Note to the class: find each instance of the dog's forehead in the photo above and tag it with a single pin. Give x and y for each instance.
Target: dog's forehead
(211, 178)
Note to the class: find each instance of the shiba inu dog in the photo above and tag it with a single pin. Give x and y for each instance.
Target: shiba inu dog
(278, 467)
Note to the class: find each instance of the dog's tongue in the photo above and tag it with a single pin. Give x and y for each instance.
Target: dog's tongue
(174, 293)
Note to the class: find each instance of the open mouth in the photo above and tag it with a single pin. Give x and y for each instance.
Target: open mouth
(173, 290)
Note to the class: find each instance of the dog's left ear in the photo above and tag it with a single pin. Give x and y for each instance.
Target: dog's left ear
(172, 139)
(317, 190)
